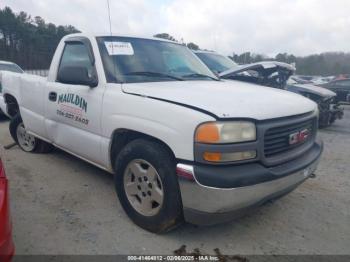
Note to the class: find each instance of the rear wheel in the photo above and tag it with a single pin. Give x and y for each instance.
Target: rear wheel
(147, 186)
(26, 141)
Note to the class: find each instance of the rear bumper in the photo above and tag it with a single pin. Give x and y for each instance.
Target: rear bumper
(243, 187)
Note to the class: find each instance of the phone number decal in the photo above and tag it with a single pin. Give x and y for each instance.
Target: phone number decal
(76, 118)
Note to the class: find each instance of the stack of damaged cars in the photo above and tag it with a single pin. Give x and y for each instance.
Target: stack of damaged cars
(277, 75)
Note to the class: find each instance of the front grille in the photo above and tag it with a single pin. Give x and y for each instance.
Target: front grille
(276, 140)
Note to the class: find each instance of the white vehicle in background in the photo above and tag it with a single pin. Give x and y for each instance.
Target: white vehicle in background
(181, 143)
(11, 67)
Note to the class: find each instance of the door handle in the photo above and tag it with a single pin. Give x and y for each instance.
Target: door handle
(53, 96)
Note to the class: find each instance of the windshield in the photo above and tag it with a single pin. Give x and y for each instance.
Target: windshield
(132, 60)
(10, 67)
(217, 63)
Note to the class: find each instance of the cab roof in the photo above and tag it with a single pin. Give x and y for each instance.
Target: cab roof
(89, 35)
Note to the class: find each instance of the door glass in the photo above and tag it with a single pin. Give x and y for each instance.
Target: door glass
(76, 54)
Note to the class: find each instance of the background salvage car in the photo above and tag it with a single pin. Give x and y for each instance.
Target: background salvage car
(341, 88)
(329, 108)
(277, 75)
(267, 73)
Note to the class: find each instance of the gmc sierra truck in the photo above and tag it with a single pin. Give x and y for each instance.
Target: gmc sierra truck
(182, 144)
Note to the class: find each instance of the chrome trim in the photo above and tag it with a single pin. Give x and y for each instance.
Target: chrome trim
(220, 200)
(186, 168)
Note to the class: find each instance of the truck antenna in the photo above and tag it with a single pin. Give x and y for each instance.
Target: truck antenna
(109, 16)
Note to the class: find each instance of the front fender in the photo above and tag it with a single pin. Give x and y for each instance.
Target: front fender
(179, 142)
(172, 124)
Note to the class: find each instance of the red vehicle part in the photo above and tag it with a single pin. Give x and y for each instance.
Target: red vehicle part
(7, 247)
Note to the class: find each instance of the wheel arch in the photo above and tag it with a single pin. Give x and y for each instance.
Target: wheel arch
(12, 107)
(121, 137)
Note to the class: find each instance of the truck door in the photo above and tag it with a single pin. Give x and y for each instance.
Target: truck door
(73, 107)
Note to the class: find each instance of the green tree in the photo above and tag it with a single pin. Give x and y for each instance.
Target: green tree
(29, 42)
(193, 46)
(281, 57)
(165, 36)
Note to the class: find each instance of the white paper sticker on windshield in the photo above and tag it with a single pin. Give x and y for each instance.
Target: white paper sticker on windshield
(119, 48)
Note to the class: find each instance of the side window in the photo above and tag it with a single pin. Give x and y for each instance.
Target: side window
(76, 54)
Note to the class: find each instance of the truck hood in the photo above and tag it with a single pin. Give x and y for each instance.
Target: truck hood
(226, 99)
(268, 73)
(308, 88)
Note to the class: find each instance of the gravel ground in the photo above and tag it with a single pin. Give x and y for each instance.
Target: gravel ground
(62, 205)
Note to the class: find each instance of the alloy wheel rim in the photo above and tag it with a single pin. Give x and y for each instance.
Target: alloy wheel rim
(26, 141)
(143, 187)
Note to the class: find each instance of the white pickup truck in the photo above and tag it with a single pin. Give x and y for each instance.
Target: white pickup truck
(182, 144)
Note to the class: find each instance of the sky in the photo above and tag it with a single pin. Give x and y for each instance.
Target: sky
(300, 27)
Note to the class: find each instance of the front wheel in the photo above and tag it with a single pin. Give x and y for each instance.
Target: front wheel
(147, 186)
(26, 141)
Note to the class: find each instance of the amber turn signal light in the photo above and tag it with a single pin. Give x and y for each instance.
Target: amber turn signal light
(207, 133)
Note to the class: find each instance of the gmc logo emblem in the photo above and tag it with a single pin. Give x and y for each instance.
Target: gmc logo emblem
(299, 137)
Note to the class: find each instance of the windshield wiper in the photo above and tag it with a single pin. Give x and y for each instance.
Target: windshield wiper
(200, 75)
(149, 73)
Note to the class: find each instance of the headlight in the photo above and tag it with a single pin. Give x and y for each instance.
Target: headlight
(226, 132)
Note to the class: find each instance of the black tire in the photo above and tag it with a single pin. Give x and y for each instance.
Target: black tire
(324, 120)
(40, 145)
(170, 215)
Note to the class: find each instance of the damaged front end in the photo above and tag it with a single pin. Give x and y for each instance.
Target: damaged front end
(269, 73)
(329, 108)
(329, 111)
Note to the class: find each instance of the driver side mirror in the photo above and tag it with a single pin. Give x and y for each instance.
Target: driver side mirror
(76, 75)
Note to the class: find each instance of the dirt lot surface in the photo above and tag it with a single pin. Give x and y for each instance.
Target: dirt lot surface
(62, 205)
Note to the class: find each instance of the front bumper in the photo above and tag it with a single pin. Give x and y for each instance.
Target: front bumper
(242, 186)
